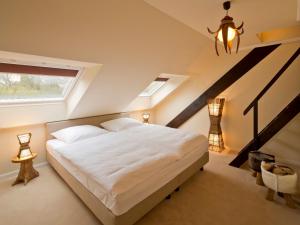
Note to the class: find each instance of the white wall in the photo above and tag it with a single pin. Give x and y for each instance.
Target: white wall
(148, 102)
(286, 144)
(132, 40)
(206, 69)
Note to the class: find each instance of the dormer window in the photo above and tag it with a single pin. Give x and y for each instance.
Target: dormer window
(154, 86)
(24, 83)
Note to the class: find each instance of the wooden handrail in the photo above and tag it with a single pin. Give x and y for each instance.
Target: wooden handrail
(274, 79)
(279, 121)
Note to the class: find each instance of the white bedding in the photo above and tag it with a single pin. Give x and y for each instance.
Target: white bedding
(123, 168)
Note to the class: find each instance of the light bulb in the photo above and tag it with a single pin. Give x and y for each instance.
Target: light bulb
(230, 34)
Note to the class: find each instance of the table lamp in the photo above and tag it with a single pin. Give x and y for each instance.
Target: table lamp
(146, 117)
(24, 150)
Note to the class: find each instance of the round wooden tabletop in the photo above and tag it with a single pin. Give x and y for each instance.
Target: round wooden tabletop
(18, 160)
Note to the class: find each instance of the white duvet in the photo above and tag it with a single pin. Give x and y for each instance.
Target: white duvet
(118, 161)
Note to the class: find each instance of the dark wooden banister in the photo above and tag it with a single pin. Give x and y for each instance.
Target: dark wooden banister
(276, 124)
(270, 84)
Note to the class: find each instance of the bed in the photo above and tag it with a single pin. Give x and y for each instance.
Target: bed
(122, 175)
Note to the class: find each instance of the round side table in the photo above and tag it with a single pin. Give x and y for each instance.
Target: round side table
(27, 172)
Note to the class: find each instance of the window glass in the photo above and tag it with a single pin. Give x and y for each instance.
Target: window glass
(152, 88)
(18, 87)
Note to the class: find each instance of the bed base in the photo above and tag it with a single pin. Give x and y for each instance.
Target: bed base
(139, 210)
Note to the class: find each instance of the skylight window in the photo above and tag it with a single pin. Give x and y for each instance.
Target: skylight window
(153, 87)
(20, 83)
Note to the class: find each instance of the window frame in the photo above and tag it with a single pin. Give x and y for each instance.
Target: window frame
(66, 94)
(158, 79)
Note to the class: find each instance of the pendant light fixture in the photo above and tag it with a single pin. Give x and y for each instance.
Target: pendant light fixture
(227, 31)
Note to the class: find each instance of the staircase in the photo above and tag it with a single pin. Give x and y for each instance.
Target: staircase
(286, 144)
(282, 119)
(285, 116)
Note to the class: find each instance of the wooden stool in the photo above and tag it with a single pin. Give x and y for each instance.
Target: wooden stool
(279, 183)
(27, 172)
(288, 198)
(259, 179)
(254, 160)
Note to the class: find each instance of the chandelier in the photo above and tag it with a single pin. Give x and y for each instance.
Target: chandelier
(227, 31)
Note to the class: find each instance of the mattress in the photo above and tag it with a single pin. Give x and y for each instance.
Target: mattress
(127, 199)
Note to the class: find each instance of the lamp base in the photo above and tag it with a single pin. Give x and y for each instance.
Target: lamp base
(26, 173)
(215, 148)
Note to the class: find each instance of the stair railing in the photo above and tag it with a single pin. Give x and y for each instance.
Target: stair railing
(254, 103)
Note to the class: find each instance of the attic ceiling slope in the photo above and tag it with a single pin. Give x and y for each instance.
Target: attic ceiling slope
(257, 15)
(132, 40)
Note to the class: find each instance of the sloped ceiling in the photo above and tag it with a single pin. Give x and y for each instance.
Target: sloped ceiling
(132, 40)
(258, 15)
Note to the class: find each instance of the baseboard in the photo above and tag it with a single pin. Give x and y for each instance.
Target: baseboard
(15, 172)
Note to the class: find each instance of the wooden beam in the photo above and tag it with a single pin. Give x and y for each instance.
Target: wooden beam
(235, 73)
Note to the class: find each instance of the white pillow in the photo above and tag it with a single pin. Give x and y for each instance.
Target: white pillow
(120, 124)
(76, 133)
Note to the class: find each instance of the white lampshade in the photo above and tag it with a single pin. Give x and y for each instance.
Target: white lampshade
(24, 153)
(24, 138)
(146, 117)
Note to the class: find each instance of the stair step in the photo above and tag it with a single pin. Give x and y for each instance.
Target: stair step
(294, 126)
(290, 138)
(282, 152)
(281, 146)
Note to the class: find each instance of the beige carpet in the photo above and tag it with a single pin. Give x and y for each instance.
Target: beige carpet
(218, 195)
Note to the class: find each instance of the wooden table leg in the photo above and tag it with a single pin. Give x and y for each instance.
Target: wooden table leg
(270, 194)
(259, 179)
(254, 173)
(26, 173)
(289, 201)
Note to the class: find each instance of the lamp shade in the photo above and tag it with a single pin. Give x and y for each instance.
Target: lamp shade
(146, 117)
(227, 31)
(215, 139)
(24, 150)
(24, 139)
(24, 153)
(215, 106)
(216, 142)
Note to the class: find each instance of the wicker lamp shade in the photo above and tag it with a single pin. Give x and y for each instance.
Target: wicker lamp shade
(146, 117)
(24, 150)
(215, 139)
